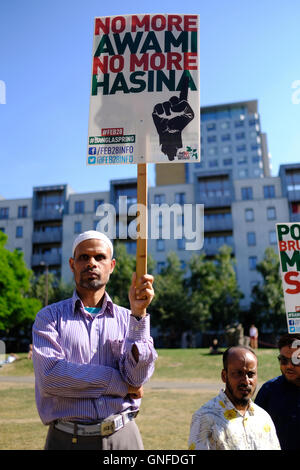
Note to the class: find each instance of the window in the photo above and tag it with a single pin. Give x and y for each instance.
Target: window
(180, 198)
(227, 161)
(160, 245)
(239, 123)
(211, 138)
(181, 244)
(77, 227)
(251, 238)
(213, 163)
(160, 266)
(212, 151)
(19, 231)
(225, 137)
(240, 135)
(269, 191)
(242, 160)
(271, 213)
(22, 211)
(226, 149)
(211, 126)
(79, 207)
(159, 198)
(97, 203)
(241, 148)
(272, 237)
(252, 261)
(247, 193)
(4, 211)
(249, 215)
(2, 229)
(225, 125)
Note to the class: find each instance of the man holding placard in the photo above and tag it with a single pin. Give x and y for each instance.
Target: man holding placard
(91, 357)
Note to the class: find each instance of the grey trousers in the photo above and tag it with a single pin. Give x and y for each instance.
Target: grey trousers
(127, 438)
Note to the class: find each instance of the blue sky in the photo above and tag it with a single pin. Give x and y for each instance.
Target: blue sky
(248, 50)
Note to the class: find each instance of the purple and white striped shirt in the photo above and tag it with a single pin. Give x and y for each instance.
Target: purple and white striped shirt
(83, 363)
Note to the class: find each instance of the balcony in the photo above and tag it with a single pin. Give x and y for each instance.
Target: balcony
(50, 259)
(48, 213)
(54, 236)
(218, 224)
(211, 248)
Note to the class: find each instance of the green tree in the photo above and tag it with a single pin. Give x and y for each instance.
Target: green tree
(267, 306)
(170, 310)
(214, 293)
(17, 308)
(225, 307)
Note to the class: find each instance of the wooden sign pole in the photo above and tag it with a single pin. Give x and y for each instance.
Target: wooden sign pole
(142, 228)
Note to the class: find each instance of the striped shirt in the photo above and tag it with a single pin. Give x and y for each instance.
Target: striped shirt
(83, 363)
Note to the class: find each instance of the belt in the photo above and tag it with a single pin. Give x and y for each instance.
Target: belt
(104, 428)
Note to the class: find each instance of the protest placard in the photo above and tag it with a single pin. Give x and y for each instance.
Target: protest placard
(145, 99)
(288, 237)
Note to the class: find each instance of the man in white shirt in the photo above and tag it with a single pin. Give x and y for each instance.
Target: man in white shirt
(231, 421)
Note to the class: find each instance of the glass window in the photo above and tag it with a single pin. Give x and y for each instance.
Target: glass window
(269, 191)
(225, 125)
(271, 213)
(160, 245)
(77, 227)
(241, 148)
(227, 161)
(2, 229)
(19, 231)
(213, 163)
(251, 238)
(4, 212)
(252, 261)
(239, 123)
(79, 207)
(159, 198)
(97, 203)
(272, 237)
(240, 135)
(225, 137)
(249, 215)
(212, 138)
(181, 244)
(180, 198)
(211, 126)
(247, 193)
(22, 211)
(160, 266)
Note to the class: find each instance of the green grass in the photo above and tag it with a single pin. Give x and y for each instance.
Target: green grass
(165, 414)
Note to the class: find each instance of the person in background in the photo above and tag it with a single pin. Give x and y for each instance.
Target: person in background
(253, 333)
(280, 396)
(231, 421)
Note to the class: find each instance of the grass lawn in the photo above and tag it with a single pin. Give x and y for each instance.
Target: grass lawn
(165, 414)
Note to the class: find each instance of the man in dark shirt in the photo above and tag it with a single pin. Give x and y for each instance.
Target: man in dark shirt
(280, 397)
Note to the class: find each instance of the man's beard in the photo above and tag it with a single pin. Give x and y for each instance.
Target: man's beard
(238, 401)
(91, 284)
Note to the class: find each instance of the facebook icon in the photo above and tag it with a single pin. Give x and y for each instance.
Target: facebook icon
(92, 150)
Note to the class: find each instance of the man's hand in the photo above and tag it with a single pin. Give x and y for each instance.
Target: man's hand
(135, 392)
(141, 294)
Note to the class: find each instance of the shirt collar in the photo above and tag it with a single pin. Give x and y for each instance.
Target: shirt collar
(226, 403)
(107, 303)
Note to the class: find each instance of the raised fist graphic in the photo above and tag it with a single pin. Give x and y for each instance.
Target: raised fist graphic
(170, 118)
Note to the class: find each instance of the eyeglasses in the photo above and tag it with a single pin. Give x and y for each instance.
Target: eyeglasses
(286, 360)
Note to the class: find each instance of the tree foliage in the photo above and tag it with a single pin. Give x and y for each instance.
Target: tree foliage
(267, 306)
(17, 308)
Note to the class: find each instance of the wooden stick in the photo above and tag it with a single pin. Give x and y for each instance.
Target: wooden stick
(142, 228)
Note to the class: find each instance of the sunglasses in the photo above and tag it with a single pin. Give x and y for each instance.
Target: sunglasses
(286, 360)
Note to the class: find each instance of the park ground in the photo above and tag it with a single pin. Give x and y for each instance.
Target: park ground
(184, 379)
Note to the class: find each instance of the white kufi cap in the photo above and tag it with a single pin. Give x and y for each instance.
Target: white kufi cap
(89, 235)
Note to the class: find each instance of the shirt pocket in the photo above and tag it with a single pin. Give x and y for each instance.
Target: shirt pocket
(116, 347)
